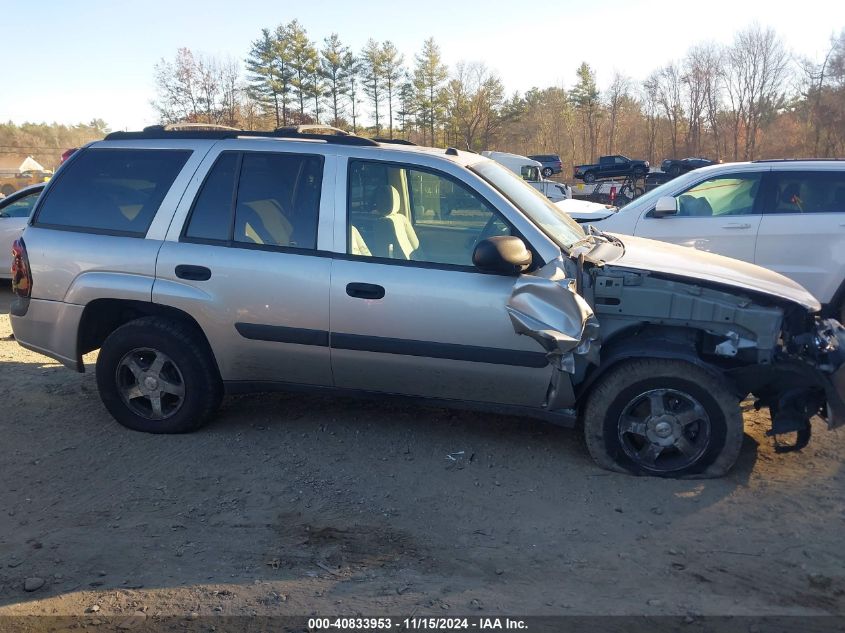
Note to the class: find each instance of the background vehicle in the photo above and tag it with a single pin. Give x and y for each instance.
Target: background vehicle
(14, 213)
(530, 170)
(195, 264)
(788, 216)
(610, 167)
(676, 167)
(551, 164)
(11, 181)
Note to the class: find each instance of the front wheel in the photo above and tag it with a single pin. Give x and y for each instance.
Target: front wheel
(157, 376)
(666, 418)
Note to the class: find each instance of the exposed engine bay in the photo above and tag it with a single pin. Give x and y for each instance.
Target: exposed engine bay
(589, 315)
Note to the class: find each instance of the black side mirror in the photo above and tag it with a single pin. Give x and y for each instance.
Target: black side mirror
(504, 255)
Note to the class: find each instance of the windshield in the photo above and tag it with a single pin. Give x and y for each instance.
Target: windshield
(550, 219)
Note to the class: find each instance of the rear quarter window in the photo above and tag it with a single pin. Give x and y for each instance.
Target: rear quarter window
(113, 191)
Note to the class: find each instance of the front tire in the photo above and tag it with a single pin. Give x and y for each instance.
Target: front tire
(665, 418)
(158, 376)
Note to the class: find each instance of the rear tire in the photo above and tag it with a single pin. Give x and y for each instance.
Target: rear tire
(158, 376)
(675, 171)
(589, 177)
(547, 172)
(665, 418)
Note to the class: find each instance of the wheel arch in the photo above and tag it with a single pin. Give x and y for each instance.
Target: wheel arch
(649, 341)
(101, 317)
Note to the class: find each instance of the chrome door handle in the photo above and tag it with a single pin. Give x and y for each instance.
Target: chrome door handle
(736, 225)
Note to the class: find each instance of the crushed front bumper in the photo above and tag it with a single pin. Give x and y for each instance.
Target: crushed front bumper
(829, 340)
(834, 389)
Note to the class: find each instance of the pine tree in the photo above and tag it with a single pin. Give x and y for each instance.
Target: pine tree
(352, 69)
(333, 70)
(269, 74)
(372, 74)
(430, 75)
(585, 97)
(393, 71)
(303, 63)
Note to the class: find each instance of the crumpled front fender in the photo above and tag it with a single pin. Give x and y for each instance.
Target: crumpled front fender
(547, 307)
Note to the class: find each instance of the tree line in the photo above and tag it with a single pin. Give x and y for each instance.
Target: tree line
(46, 142)
(741, 101)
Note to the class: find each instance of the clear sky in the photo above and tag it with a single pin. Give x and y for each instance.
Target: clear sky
(75, 60)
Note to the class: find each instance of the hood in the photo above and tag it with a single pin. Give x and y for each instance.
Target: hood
(683, 261)
(584, 211)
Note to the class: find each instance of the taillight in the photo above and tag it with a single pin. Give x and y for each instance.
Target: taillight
(21, 274)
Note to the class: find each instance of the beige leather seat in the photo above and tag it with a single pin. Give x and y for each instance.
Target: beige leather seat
(392, 233)
(357, 245)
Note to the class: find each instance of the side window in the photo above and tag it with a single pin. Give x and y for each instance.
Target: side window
(620, 161)
(20, 208)
(721, 196)
(111, 190)
(808, 192)
(211, 216)
(404, 213)
(278, 200)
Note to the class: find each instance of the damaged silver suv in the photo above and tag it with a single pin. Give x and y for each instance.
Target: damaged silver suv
(204, 262)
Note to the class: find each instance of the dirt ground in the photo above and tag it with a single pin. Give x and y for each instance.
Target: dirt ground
(292, 504)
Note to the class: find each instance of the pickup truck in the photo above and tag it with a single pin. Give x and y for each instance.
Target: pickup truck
(610, 166)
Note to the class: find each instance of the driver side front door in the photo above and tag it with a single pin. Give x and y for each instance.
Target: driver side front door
(409, 313)
(719, 215)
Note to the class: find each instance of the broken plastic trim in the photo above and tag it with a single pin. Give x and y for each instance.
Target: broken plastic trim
(547, 307)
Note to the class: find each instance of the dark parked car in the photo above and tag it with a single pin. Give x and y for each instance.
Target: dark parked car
(655, 179)
(675, 167)
(551, 164)
(610, 167)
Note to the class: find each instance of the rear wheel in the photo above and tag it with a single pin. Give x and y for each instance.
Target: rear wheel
(675, 170)
(666, 418)
(589, 177)
(157, 376)
(547, 172)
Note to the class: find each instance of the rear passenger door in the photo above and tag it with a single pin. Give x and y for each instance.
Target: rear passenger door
(802, 233)
(242, 257)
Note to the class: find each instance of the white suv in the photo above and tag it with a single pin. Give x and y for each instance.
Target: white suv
(785, 215)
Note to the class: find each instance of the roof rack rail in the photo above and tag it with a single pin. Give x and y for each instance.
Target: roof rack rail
(794, 160)
(322, 133)
(217, 132)
(197, 127)
(394, 141)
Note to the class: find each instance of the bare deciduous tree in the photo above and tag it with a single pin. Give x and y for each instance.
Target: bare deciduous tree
(757, 67)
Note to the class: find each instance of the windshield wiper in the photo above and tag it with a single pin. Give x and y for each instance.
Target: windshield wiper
(591, 230)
